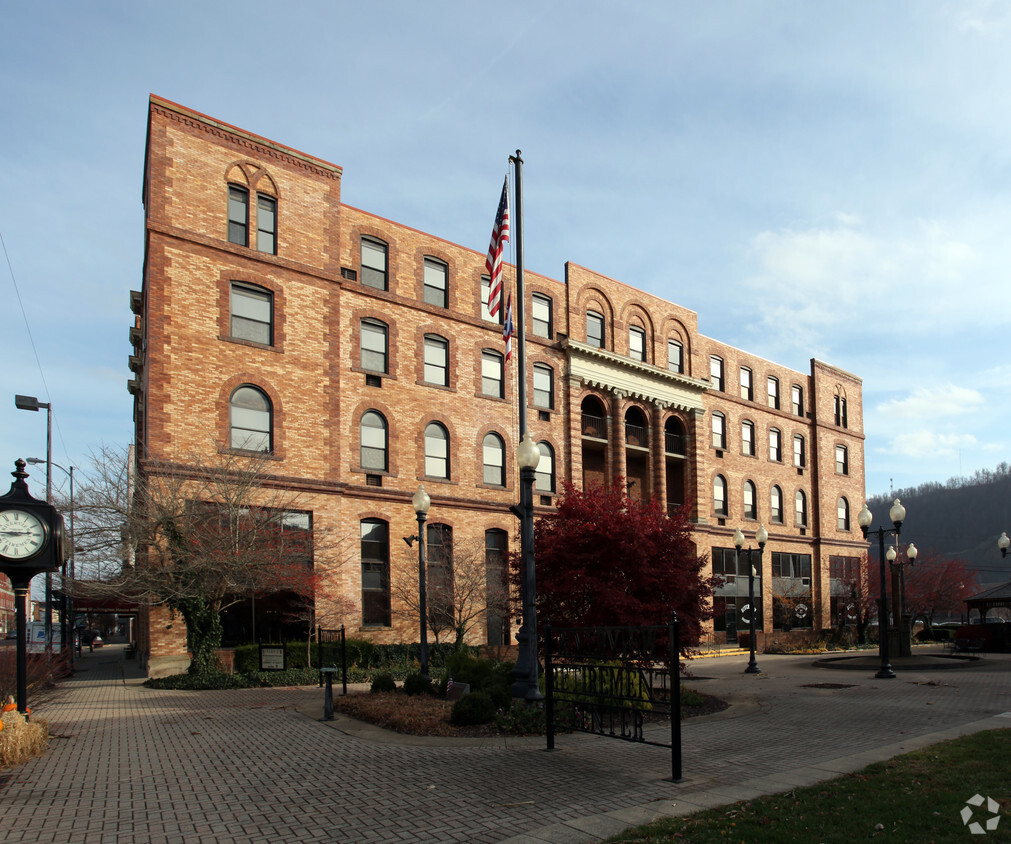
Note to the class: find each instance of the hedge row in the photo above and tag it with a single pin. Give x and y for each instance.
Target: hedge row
(364, 658)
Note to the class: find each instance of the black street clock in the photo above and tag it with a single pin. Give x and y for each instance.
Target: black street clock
(31, 532)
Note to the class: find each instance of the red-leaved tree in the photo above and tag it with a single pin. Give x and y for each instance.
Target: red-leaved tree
(603, 559)
(938, 584)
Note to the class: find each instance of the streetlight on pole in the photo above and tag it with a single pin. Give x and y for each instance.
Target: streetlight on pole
(525, 673)
(898, 515)
(1003, 542)
(67, 625)
(421, 502)
(761, 537)
(32, 403)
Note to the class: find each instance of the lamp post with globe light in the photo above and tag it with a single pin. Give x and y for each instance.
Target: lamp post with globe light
(761, 537)
(897, 514)
(421, 502)
(525, 673)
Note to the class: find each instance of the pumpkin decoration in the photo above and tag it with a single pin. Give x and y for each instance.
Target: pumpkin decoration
(10, 706)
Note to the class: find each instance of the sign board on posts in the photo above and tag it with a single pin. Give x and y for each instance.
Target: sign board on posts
(273, 657)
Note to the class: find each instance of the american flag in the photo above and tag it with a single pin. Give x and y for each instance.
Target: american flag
(508, 329)
(493, 263)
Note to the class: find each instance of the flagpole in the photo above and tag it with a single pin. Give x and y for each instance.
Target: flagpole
(521, 345)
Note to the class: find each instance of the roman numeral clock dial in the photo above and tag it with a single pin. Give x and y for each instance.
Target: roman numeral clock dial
(22, 534)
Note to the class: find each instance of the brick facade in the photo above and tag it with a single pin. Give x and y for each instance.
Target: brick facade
(319, 381)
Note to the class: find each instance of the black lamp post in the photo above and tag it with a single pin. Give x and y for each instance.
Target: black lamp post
(32, 403)
(421, 502)
(67, 625)
(761, 537)
(525, 673)
(897, 514)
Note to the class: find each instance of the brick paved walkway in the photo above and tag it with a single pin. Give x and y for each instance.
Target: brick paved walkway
(132, 764)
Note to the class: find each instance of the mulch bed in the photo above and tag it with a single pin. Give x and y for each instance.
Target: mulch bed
(423, 715)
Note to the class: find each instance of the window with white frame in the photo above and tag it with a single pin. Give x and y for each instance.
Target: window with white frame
(775, 445)
(250, 420)
(842, 461)
(716, 372)
(544, 392)
(374, 442)
(798, 451)
(720, 495)
(494, 460)
(750, 501)
(719, 430)
(544, 479)
(541, 315)
(748, 438)
(773, 391)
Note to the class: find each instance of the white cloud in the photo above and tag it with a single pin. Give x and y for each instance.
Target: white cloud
(928, 444)
(938, 402)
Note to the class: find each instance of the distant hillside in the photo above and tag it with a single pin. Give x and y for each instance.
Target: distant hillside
(961, 518)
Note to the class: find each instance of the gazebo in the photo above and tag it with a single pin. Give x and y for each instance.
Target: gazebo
(996, 596)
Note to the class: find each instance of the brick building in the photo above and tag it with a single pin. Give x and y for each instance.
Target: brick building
(358, 355)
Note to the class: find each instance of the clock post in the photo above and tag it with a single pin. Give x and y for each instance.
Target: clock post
(31, 541)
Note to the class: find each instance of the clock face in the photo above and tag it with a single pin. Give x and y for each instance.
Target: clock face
(22, 534)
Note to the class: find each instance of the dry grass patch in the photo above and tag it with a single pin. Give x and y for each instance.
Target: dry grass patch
(20, 739)
(414, 715)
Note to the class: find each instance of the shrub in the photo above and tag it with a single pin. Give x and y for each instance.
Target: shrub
(520, 720)
(418, 684)
(384, 683)
(475, 708)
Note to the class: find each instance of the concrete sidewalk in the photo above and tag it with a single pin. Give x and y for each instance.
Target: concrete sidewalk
(256, 765)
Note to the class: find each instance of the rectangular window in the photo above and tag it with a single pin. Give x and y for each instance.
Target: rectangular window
(798, 452)
(595, 329)
(491, 374)
(436, 285)
(541, 306)
(719, 431)
(238, 215)
(791, 590)
(543, 386)
(485, 296)
(436, 361)
(716, 373)
(773, 388)
(252, 314)
(266, 224)
(373, 340)
(747, 391)
(797, 400)
(374, 264)
(675, 356)
(636, 343)
(375, 550)
(842, 463)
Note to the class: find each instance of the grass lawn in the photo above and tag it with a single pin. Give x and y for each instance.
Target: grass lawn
(916, 798)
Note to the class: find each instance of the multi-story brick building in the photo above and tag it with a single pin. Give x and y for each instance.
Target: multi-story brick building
(358, 355)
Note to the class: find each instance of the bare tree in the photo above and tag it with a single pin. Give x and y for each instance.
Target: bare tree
(196, 535)
(459, 589)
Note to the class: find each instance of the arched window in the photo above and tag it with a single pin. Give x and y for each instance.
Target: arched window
(801, 502)
(375, 545)
(374, 346)
(436, 451)
(675, 356)
(748, 438)
(595, 329)
(775, 445)
(544, 481)
(496, 544)
(799, 459)
(544, 389)
(374, 452)
(637, 342)
(747, 387)
(238, 215)
(776, 505)
(436, 360)
(842, 460)
(266, 223)
(494, 460)
(750, 501)
(720, 495)
(843, 511)
(719, 430)
(716, 375)
(250, 420)
(436, 283)
(492, 378)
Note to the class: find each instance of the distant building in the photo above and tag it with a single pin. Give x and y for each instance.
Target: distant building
(359, 354)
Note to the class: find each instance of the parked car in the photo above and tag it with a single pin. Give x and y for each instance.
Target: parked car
(91, 638)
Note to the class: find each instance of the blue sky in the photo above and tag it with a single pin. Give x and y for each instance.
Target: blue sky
(814, 179)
